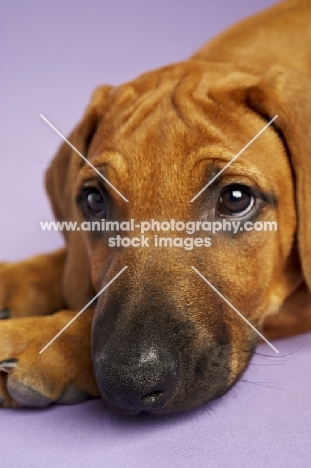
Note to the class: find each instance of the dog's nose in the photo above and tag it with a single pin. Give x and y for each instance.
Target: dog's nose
(142, 383)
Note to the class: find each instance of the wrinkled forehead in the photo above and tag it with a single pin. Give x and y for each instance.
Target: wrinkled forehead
(161, 107)
(177, 126)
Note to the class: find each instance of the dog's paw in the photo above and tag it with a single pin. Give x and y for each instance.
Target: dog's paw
(20, 292)
(61, 374)
(31, 287)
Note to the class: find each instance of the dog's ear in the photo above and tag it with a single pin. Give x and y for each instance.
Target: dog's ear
(60, 179)
(287, 93)
(62, 172)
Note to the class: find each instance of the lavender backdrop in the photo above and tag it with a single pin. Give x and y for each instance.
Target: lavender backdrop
(53, 53)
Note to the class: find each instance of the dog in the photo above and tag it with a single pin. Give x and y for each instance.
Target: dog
(159, 339)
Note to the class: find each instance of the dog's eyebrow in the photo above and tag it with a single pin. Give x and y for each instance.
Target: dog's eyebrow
(234, 158)
(214, 164)
(112, 159)
(86, 174)
(111, 162)
(83, 157)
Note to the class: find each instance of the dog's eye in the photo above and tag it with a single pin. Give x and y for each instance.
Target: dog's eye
(95, 202)
(235, 200)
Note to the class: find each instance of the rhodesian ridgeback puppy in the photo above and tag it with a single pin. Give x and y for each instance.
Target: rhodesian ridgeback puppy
(159, 339)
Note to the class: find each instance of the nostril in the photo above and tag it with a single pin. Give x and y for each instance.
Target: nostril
(152, 397)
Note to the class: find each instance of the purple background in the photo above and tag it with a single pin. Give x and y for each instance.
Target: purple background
(53, 54)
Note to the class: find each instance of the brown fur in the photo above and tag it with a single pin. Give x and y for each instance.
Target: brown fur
(159, 139)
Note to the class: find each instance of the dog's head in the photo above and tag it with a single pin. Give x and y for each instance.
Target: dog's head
(163, 339)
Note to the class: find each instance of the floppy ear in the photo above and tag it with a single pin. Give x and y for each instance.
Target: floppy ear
(59, 180)
(61, 174)
(287, 93)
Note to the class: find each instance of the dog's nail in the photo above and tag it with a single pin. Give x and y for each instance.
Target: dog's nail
(7, 365)
(4, 314)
